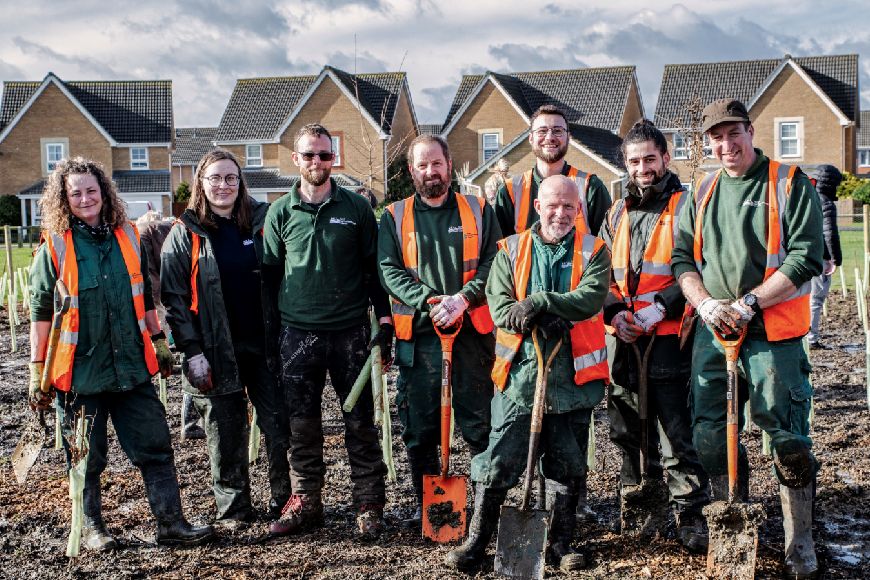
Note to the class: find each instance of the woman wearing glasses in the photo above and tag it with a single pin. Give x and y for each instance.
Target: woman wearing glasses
(224, 321)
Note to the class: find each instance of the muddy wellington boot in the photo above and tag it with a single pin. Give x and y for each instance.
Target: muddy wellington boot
(95, 536)
(370, 522)
(487, 505)
(692, 531)
(421, 462)
(797, 522)
(302, 512)
(191, 422)
(585, 514)
(560, 553)
(161, 486)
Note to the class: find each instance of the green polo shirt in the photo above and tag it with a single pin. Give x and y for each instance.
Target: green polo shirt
(549, 290)
(323, 251)
(597, 203)
(109, 355)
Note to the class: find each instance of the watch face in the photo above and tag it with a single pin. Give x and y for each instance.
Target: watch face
(750, 299)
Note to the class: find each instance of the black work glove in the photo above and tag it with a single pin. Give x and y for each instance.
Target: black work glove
(553, 326)
(384, 339)
(520, 315)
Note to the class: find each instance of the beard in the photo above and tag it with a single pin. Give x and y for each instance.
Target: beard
(430, 190)
(656, 177)
(315, 177)
(555, 230)
(550, 157)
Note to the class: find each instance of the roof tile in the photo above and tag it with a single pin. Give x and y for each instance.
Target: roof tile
(191, 143)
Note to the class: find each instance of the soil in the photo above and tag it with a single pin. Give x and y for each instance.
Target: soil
(34, 517)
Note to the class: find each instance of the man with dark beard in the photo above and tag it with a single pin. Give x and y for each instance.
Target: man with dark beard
(645, 299)
(325, 239)
(549, 136)
(435, 250)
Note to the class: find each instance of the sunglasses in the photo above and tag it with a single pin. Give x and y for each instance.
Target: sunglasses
(323, 155)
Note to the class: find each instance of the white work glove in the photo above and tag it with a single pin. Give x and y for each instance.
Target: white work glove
(720, 315)
(649, 316)
(198, 372)
(746, 313)
(448, 310)
(626, 329)
(829, 267)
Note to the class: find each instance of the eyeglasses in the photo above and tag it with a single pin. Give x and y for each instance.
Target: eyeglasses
(324, 155)
(215, 180)
(557, 132)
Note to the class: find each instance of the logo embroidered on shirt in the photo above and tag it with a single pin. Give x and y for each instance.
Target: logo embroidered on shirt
(753, 203)
(247, 242)
(454, 230)
(341, 221)
(566, 265)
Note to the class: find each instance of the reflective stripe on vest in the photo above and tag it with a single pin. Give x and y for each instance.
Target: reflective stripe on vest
(471, 218)
(523, 184)
(63, 255)
(791, 317)
(588, 349)
(655, 271)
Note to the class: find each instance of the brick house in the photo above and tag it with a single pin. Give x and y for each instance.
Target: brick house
(370, 116)
(489, 119)
(125, 125)
(863, 145)
(804, 109)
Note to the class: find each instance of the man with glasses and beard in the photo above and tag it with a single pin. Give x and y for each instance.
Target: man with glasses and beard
(435, 249)
(549, 135)
(324, 237)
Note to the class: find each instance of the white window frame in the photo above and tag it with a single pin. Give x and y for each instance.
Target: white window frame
(497, 134)
(254, 155)
(863, 157)
(142, 164)
(51, 163)
(681, 148)
(778, 124)
(336, 148)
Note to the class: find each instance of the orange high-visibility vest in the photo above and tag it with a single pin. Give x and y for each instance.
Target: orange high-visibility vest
(655, 271)
(791, 317)
(471, 217)
(64, 257)
(587, 336)
(522, 205)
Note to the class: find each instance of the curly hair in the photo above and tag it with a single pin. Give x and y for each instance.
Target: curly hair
(54, 204)
(198, 203)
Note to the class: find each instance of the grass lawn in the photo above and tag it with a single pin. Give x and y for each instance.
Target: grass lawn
(21, 257)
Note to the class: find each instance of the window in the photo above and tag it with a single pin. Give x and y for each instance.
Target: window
(681, 148)
(138, 158)
(863, 157)
(336, 148)
(489, 144)
(789, 143)
(253, 156)
(53, 154)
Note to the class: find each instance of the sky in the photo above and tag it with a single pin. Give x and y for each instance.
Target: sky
(203, 46)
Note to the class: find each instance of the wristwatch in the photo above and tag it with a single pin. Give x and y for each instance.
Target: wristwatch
(751, 300)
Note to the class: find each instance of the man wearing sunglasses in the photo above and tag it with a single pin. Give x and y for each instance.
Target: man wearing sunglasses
(325, 238)
(549, 136)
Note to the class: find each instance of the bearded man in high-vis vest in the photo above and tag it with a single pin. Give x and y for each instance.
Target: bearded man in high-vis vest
(749, 243)
(110, 344)
(435, 250)
(551, 279)
(549, 136)
(645, 300)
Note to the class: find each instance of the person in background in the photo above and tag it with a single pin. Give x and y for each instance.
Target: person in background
(369, 196)
(826, 178)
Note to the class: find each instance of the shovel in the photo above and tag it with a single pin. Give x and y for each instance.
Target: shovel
(522, 532)
(445, 497)
(27, 451)
(733, 526)
(644, 507)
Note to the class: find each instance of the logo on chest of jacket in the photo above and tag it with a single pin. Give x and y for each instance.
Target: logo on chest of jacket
(754, 203)
(454, 230)
(341, 221)
(247, 242)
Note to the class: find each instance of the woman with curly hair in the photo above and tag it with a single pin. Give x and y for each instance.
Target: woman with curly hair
(111, 344)
(221, 304)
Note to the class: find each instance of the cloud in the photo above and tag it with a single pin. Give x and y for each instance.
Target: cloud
(43, 53)
(434, 104)
(363, 62)
(10, 72)
(523, 57)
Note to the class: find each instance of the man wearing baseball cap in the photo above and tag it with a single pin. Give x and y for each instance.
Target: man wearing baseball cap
(747, 248)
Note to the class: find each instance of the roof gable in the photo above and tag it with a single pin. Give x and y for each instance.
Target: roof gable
(835, 78)
(126, 112)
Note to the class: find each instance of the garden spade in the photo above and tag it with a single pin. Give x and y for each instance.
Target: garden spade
(733, 526)
(644, 508)
(522, 532)
(445, 497)
(33, 438)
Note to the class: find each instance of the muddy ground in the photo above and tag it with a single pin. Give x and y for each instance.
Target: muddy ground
(34, 517)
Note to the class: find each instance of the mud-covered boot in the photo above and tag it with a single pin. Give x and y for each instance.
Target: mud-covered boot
(585, 514)
(302, 512)
(173, 529)
(719, 486)
(95, 536)
(421, 462)
(191, 422)
(370, 522)
(560, 553)
(797, 522)
(692, 531)
(487, 504)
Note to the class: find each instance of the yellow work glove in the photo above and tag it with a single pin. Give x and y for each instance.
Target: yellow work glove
(165, 358)
(38, 400)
